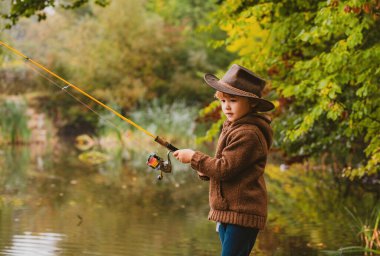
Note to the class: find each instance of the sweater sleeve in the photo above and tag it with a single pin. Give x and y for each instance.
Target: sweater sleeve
(244, 149)
(203, 177)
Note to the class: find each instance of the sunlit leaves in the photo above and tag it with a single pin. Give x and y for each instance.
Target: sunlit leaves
(323, 59)
(26, 8)
(214, 130)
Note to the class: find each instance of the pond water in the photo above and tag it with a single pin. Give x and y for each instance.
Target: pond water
(51, 203)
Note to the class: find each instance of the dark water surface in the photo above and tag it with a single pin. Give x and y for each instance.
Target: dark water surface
(51, 203)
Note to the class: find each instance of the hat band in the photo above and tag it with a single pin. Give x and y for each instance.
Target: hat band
(248, 94)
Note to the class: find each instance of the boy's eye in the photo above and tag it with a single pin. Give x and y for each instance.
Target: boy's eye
(223, 101)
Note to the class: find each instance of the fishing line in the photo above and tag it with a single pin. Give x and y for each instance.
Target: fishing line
(63, 88)
(154, 161)
(157, 139)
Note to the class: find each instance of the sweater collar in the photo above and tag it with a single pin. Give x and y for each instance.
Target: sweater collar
(261, 121)
(251, 118)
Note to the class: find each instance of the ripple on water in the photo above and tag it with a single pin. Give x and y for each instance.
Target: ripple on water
(33, 244)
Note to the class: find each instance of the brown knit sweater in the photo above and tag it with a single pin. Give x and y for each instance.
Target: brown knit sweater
(237, 192)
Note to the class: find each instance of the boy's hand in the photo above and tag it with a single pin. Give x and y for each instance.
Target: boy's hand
(184, 155)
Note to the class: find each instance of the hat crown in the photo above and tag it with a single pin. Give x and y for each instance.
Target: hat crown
(244, 79)
(241, 82)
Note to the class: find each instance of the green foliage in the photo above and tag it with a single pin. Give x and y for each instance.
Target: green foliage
(215, 128)
(193, 16)
(123, 54)
(322, 59)
(27, 8)
(183, 12)
(175, 121)
(13, 122)
(305, 196)
(369, 235)
(110, 125)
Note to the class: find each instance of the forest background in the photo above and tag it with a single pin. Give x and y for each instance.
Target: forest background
(321, 60)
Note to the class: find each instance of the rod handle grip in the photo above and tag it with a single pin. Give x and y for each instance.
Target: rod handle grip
(166, 144)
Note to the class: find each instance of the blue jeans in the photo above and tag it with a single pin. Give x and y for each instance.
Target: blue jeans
(237, 240)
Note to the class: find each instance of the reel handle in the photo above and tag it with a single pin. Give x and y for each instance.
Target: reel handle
(157, 163)
(165, 144)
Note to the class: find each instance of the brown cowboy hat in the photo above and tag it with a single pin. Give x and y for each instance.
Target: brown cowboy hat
(241, 82)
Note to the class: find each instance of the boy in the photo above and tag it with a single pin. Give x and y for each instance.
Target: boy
(237, 192)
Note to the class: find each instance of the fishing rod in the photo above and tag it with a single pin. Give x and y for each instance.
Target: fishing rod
(154, 161)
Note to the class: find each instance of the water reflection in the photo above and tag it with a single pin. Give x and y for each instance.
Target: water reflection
(53, 204)
(124, 211)
(42, 244)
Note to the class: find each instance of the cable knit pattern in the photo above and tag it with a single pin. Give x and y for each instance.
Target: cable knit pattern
(237, 192)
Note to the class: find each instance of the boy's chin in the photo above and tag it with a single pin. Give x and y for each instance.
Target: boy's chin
(234, 118)
(230, 118)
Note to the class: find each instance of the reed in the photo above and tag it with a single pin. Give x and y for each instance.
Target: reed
(13, 122)
(369, 234)
(175, 122)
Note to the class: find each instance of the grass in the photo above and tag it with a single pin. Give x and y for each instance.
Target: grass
(175, 122)
(369, 234)
(13, 122)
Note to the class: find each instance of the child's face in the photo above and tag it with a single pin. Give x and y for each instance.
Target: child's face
(235, 107)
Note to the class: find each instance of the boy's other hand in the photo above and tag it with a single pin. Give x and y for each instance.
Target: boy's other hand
(184, 155)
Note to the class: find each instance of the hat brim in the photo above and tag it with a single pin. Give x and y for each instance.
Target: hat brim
(262, 106)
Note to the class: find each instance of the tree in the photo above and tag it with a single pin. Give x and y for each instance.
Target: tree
(123, 54)
(322, 59)
(192, 16)
(14, 10)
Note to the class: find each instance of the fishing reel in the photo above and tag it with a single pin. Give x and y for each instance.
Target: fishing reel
(159, 164)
